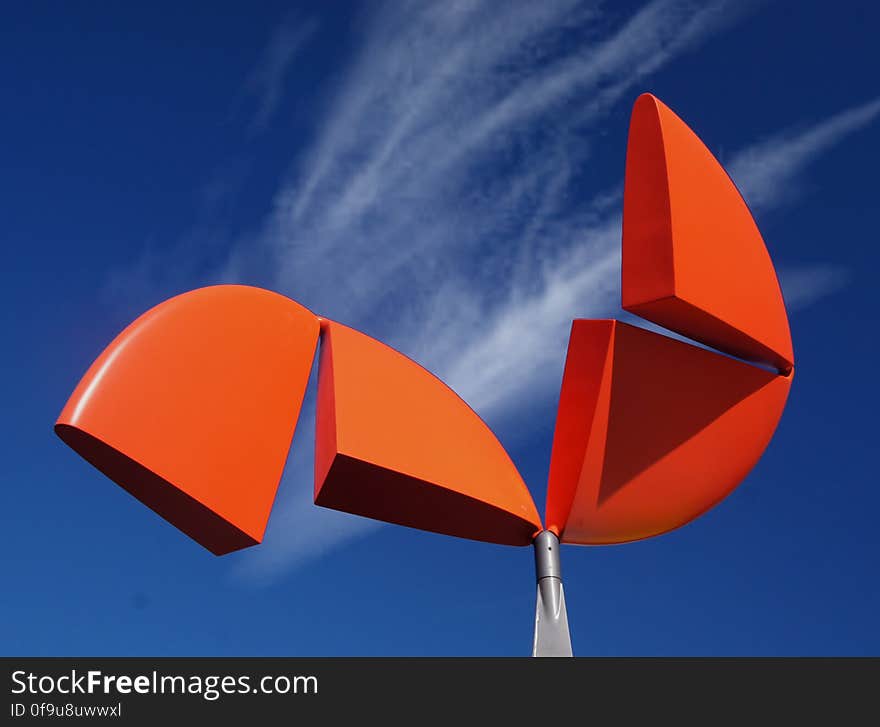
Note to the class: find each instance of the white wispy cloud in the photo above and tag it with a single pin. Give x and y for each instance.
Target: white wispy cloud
(803, 285)
(767, 173)
(398, 183)
(266, 80)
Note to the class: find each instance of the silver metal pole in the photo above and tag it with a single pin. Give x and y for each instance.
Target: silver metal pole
(552, 637)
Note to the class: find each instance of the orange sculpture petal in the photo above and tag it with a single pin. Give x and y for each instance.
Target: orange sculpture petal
(192, 408)
(651, 432)
(395, 443)
(693, 258)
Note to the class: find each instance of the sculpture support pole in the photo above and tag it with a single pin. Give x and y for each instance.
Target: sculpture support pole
(552, 637)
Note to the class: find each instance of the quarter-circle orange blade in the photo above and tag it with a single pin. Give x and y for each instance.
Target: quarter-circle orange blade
(693, 258)
(394, 443)
(192, 408)
(651, 432)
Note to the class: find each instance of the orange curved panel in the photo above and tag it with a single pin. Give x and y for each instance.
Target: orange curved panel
(693, 258)
(395, 443)
(651, 432)
(192, 408)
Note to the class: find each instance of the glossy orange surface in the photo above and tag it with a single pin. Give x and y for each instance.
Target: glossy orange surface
(192, 408)
(693, 258)
(651, 432)
(396, 444)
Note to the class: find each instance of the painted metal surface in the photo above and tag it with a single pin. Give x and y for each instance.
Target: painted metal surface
(651, 432)
(693, 258)
(193, 406)
(395, 443)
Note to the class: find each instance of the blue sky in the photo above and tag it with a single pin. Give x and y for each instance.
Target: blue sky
(446, 177)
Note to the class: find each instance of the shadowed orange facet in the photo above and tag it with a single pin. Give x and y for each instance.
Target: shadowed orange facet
(693, 258)
(192, 408)
(651, 432)
(395, 443)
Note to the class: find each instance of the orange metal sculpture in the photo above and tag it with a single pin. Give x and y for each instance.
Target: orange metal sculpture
(693, 259)
(394, 443)
(193, 406)
(651, 432)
